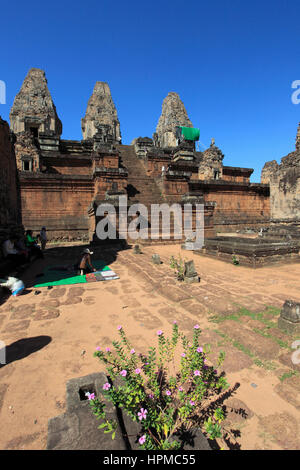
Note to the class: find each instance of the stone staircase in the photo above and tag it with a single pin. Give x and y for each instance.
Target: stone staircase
(142, 188)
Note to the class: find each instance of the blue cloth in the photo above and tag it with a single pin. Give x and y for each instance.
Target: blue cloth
(16, 292)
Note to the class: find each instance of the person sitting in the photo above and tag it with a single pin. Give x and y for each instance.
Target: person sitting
(31, 243)
(21, 247)
(16, 286)
(85, 264)
(11, 252)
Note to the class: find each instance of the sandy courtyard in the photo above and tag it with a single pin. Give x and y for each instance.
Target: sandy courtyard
(60, 328)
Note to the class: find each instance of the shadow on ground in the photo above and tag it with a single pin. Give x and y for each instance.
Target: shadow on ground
(22, 348)
(106, 250)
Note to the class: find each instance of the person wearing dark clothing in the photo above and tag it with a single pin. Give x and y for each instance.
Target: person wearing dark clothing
(31, 244)
(85, 264)
(11, 252)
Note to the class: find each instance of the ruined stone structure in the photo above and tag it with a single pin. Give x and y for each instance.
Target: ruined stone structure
(62, 182)
(284, 180)
(280, 240)
(101, 118)
(173, 114)
(10, 219)
(211, 166)
(33, 109)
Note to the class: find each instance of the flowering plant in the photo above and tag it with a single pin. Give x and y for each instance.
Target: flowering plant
(178, 266)
(164, 397)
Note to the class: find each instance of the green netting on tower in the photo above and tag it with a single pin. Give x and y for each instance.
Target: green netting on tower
(190, 133)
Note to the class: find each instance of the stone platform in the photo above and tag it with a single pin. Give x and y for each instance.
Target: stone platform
(251, 252)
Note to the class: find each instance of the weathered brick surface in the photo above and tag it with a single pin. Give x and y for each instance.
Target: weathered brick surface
(9, 198)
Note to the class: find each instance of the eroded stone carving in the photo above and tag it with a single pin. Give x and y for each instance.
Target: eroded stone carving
(284, 180)
(173, 114)
(210, 166)
(101, 118)
(33, 109)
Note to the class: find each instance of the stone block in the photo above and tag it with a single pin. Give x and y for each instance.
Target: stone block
(289, 319)
(77, 429)
(137, 250)
(190, 273)
(156, 259)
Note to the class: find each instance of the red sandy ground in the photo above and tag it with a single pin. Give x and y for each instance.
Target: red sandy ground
(147, 298)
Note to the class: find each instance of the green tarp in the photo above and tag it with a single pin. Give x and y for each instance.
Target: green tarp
(190, 133)
(60, 275)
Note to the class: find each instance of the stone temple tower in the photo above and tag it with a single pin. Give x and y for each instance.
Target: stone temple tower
(173, 114)
(101, 117)
(33, 109)
(34, 121)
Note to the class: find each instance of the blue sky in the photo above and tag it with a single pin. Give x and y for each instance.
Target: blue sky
(232, 63)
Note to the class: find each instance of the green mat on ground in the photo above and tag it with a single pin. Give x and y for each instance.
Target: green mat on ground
(65, 275)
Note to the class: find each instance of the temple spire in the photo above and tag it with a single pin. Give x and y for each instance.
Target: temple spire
(101, 117)
(33, 109)
(173, 114)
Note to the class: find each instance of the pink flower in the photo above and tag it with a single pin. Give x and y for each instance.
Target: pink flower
(151, 395)
(142, 439)
(123, 373)
(174, 322)
(132, 351)
(137, 371)
(196, 327)
(142, 414)
(197, 372)
(159, 332)
(192, 402)
(183, 355)
(91, 396)
(106, 386)
(199, 350)
(119, 327)
(180, 389)
(98, 348)
(168, 393)
(107, 349)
